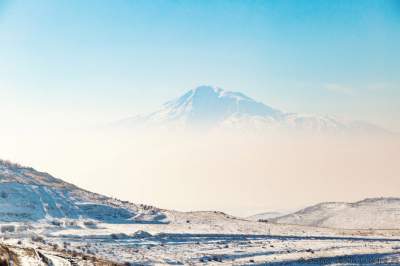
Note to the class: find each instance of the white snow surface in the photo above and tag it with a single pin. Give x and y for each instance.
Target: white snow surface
(211, 238)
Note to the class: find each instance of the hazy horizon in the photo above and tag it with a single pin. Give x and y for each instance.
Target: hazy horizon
(241, 174)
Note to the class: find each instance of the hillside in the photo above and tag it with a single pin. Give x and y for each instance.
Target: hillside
(264, 216)
(376, 213)
(30, 195)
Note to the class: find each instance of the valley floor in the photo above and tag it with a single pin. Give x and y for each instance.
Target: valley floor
(198, 239)
(197, 249)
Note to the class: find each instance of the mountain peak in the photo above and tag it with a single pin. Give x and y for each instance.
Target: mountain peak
(212, 91)
(206, 89)
(209, 106)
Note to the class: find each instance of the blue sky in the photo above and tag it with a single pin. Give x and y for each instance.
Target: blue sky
(95, 61)
(75, 64)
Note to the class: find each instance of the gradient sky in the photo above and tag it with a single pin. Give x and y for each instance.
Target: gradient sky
(94, 61)
(68, 66)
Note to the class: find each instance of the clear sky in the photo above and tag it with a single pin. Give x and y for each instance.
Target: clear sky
(66, 66)
(95, 61)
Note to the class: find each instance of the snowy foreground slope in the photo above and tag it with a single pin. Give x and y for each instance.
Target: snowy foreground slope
(30, 195)
(46, 221)
(377, 213)
(209, 107)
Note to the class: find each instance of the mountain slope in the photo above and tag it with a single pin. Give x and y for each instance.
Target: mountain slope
(30, 195)
(212, 107)
(377, 213)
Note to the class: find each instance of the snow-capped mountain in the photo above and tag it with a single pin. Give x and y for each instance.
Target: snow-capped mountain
(30, 195)
(205, 106)
(376, 213)
(212, 107)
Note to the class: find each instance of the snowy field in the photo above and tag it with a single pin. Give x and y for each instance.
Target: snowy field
(201, 238)
(193, 249)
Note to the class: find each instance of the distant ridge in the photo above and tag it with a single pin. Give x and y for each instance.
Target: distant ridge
(376, 213)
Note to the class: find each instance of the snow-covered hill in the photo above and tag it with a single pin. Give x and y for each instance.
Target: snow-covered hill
(212, 107)
(38, 227)
(376, 213)
(30, 195)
